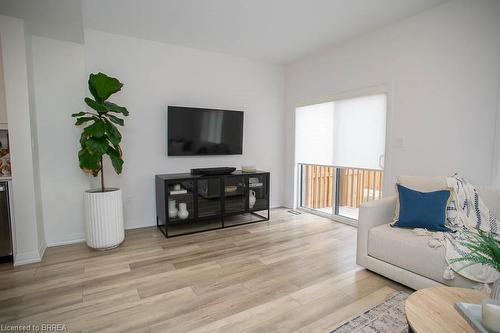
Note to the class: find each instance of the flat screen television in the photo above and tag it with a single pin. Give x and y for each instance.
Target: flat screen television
(197, 131)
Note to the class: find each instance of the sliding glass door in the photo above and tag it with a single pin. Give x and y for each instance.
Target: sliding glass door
(340, 149)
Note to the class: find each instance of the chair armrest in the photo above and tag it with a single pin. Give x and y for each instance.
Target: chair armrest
(372, 214)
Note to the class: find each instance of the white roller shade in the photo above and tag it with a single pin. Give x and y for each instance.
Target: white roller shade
(314, 134)
(359, 132)
(344, 133)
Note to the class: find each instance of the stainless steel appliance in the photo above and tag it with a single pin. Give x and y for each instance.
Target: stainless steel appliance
(5, 229)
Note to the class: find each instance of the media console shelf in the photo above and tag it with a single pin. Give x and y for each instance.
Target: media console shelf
(212, 202)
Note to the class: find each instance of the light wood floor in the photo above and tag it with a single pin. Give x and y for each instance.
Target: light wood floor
(295, 273)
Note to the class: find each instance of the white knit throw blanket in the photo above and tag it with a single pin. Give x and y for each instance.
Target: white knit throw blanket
(467, 212)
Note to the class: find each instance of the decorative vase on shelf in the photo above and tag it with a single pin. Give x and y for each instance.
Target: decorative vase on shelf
(251, 199)
(172, 210)
(183, 212)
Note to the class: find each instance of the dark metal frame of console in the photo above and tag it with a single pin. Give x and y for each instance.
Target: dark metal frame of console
(162, 197)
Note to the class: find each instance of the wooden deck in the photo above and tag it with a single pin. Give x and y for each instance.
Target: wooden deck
(295, 273)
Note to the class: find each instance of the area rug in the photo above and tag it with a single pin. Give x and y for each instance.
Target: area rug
(388, 316)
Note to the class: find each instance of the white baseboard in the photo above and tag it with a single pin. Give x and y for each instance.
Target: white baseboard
(41, 250)
(66, 242)
(131, 227)
(30, 257)
(27, 258)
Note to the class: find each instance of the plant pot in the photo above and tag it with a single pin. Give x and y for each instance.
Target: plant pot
(104, 226)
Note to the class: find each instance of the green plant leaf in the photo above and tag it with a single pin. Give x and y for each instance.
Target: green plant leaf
(83, 120)
(484, 249)
(101, 137)
(115, 119)
(79, 114)
(96, 130)
(89, 162)
(99, 107)
(97, 146)
(83, 138)
(113, 133)
(102, 86)
(112, 107)
(116, 159)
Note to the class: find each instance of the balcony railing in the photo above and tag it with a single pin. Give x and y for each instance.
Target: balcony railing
(359, 185)
(339, 191)
(317, 186)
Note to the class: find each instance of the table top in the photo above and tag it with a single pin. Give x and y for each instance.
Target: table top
(174, 176)
(432, 309)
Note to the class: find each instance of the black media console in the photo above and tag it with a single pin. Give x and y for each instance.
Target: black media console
(187, 203)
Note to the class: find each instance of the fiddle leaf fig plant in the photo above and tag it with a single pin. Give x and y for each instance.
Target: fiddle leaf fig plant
(100, 136)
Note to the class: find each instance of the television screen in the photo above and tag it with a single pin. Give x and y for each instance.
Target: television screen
(196, 131)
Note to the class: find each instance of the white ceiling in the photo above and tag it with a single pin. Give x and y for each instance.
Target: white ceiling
(278, 31)
(59, 19)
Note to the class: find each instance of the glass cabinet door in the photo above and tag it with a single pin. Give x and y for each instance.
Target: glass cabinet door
(234, 194)
(258, 192)
(181, 213)
(180, 201)
(209, 197)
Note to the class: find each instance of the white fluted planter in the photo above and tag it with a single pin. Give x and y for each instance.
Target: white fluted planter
(104, 218)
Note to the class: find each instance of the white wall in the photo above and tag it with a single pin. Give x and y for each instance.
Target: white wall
(3, 107)
(154, 75)
(496, 166)
(59, 81)
(28, 243)
(442, 67)
(34, 143)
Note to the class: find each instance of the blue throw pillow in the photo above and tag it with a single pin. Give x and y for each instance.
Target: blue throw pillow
(422, 209)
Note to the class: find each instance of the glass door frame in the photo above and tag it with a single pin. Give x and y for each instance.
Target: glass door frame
(382, 88)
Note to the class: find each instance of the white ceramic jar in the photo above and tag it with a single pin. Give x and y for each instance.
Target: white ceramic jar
(183, 212)
(172, 210)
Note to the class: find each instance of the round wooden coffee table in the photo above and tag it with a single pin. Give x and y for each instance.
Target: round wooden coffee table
(432, 309)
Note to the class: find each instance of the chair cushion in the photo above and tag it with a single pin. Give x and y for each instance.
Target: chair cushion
(422, 209)
(403, 248)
